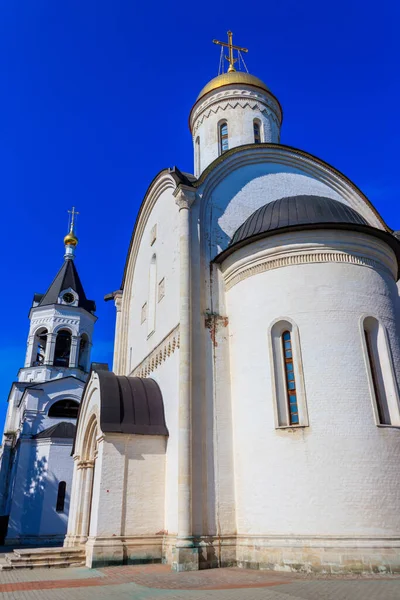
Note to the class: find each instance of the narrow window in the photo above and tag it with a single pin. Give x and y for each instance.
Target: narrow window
(371, 340)
(39, 350)
(151, 304)
(83, 352)
(63, 349)
(223, 137)
(290, 380)
(61, 496)
(257, 132)
(197, 152)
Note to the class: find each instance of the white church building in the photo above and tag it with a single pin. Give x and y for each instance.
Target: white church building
(252, 416)
(35, 457)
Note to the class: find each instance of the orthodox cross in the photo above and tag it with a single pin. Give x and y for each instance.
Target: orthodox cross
(231, 49)
(73, 213)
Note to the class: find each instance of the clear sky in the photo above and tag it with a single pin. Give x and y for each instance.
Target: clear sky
(94, 101)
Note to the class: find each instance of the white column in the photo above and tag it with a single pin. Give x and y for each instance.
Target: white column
(86, 500)
(73, 504)
(73, 355)
(50, 348)
(29, 351)
(185, 197)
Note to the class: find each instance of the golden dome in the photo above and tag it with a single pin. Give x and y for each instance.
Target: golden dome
(71, 239)
(233, 77)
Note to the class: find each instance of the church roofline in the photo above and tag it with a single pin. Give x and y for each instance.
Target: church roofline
(179, 178)
(256, 148)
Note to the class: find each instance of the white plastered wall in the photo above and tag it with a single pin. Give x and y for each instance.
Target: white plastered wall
(339, 475)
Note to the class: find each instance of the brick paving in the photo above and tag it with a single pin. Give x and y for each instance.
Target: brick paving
(154, 582)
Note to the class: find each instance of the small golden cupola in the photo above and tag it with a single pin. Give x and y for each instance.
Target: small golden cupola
(70, 240)
(233, 109)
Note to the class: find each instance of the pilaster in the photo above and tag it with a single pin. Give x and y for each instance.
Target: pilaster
(73, 355)
(186, 556)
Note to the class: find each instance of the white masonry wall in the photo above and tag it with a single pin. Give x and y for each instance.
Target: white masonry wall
(239, 106)
(339, 475)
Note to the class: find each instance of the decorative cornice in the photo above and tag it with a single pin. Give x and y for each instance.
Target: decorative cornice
(300, 259)
(159, 355)
(242, 103)
(265, 97)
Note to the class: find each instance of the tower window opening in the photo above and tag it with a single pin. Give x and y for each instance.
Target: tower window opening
(223, 137)
(62, 486)
(40, 348)
(371, 340)
(63, 349)
(197, 156)
(257, 132)
(83, 352)
(290, 379)
(64, 409)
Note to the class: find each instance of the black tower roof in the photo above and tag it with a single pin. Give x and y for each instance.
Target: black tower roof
(67, 277)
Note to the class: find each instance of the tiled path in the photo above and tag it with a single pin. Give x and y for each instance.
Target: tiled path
(155, 582)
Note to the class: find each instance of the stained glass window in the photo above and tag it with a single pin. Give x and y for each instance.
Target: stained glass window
(290, 380)
(223, 137)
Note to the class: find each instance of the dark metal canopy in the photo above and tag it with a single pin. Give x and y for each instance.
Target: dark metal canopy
(301, 213)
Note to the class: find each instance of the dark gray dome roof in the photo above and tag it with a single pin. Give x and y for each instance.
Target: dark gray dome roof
(296, 211)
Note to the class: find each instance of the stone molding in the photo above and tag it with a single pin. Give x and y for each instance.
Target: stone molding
(234, 104)
(159, 355)
(310, 165)
(236, 96)
(239, 267)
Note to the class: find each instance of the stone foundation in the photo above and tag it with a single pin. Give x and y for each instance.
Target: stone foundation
(319, 554)
(278, 553)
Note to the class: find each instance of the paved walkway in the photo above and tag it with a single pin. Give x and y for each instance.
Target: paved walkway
(154, 582)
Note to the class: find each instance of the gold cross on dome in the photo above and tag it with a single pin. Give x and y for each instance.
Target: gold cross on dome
(231, 49)
(73, 213)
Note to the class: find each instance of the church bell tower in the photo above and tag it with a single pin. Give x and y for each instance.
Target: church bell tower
(43, 407)
(61, 323)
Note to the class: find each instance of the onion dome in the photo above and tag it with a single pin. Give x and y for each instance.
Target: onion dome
(71, 239)
(232, 78)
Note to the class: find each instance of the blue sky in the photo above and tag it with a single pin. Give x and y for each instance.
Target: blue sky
(95, 98)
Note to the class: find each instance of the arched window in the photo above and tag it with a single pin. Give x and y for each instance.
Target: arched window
(379, 366)
(62, 486)
(39, 347)
(63, 348)
(223, 137)
(197, 156)
(257, 131)
(290, 379)
(67, 409)
(288, 388)
(151, 304)
(83, 352)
